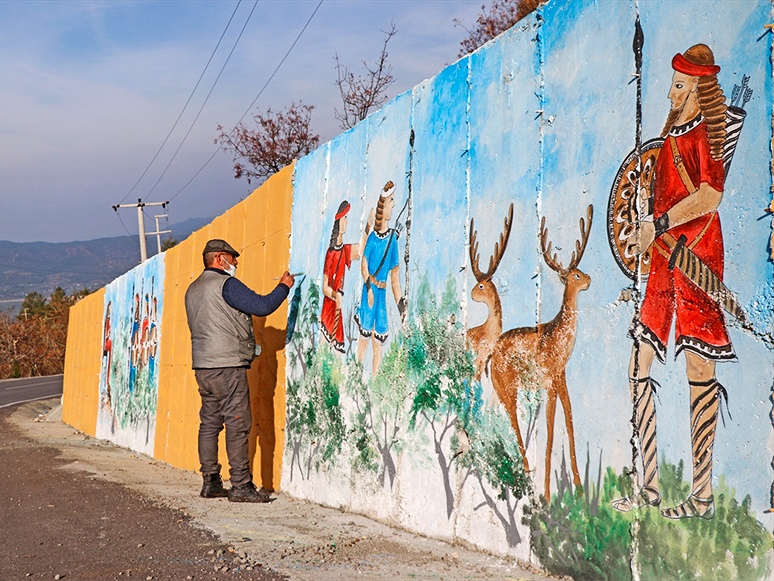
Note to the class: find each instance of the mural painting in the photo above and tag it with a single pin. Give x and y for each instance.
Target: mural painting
(528, 356)
(680, 225)
(129, 370)
(338, 259)
(379, 269)
(441, 429)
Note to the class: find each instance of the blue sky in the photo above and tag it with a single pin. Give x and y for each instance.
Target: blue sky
(90, 89)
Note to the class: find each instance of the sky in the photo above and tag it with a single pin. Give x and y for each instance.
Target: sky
(89, 91)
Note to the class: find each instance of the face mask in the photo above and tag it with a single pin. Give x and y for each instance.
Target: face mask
(230, 269)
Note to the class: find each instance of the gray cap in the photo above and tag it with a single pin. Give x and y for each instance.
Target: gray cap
(218, 245)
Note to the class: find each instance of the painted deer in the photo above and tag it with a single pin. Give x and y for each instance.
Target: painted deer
(482, 339)
(536, 357)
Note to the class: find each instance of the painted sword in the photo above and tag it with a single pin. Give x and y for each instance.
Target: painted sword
(686, 261)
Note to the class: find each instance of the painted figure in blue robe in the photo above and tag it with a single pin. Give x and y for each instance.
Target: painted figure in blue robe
(379, 268)
(153, 342)
(134, 345)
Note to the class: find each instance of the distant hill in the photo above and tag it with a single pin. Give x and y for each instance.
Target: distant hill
(42, 266)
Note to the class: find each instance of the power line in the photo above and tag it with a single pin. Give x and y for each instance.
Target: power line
(184, 106)
(205, 100)
(125, 228)
(266, 84)
(280, 63)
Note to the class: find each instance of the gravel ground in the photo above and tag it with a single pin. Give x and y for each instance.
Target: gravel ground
(135, 513)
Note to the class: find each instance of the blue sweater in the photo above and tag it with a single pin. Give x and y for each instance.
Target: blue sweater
(238, 296)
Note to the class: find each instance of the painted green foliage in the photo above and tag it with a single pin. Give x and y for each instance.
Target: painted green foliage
(423, 395)
(580, 535)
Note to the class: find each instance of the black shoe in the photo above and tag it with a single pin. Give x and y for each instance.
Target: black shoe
(213, 487)
(248, 493)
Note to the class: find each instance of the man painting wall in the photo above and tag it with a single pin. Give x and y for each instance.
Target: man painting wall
(220, 311)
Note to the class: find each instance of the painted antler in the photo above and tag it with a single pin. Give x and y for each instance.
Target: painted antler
(580, 245)
(483, 337)
(580, 248)
(545, 246)
(499, 249)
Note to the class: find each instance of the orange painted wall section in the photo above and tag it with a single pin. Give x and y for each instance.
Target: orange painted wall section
(259, 228)
(83, 357)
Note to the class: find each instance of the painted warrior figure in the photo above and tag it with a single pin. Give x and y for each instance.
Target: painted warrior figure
(153, 339)
(145, 333)
(135, 344)
(380, 262)
(338, 259)
(107, 352)
(687, 190)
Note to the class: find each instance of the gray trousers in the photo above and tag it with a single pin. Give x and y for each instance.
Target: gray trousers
(225, 400)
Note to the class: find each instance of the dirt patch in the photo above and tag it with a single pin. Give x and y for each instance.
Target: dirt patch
(287, 538)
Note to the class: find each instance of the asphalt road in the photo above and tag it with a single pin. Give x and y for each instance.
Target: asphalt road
(15, 391)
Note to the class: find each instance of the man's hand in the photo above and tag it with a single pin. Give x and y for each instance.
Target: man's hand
(647, 236)
(287, 279)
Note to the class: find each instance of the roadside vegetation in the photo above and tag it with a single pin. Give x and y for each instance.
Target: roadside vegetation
(33, 342)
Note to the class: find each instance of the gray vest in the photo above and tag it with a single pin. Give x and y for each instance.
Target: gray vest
(221, 336)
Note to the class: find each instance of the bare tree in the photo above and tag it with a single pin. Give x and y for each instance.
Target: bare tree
(501, 16)
(279, 139)
(361, 93)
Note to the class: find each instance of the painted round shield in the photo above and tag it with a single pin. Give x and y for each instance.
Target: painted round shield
(621, 210)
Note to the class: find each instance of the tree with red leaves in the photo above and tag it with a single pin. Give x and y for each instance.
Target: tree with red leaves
(33, 343)
(280, 138)
(501, 16)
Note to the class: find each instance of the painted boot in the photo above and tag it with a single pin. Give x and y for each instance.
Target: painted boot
(645, 414)
(704, 420)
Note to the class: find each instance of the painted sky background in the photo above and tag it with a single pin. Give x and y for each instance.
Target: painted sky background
(90, 89)
(555, 169)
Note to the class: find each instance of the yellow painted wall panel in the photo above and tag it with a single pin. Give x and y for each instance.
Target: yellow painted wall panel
(83, 357)
(236, 226)
(166, 352)
(270, 254)
(218, 228)
(190, 434)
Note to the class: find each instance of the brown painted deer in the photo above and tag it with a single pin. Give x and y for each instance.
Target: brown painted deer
(536, 357)
(482, 339)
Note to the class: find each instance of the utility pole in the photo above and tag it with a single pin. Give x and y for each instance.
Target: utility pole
(158, 232)
(140, 205)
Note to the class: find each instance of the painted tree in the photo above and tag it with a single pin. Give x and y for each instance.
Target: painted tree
(362, 93)
(502, 14)
(279, 138)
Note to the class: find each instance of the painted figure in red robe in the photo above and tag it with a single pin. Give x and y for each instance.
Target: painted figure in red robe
(338, 259)
(687, 190)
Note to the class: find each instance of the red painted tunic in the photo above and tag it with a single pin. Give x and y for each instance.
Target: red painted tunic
(700, 324)
(337, 261)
